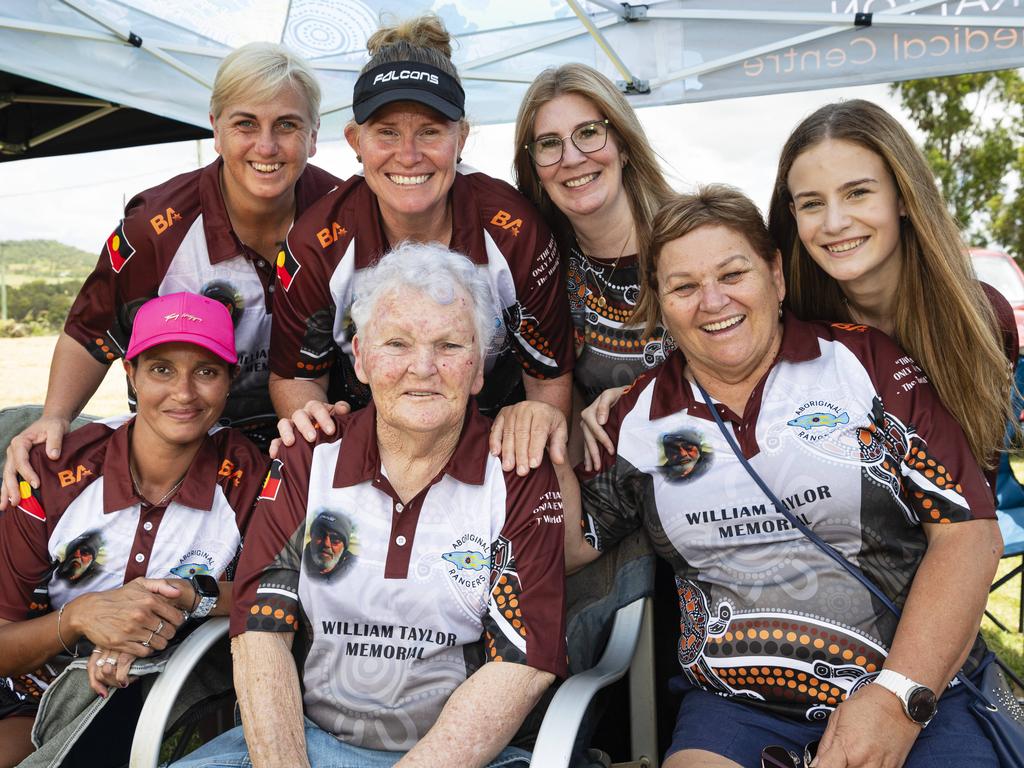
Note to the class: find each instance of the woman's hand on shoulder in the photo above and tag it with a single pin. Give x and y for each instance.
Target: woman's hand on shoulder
(593, 418)
(46, 429)
(522, 431)
(304, 422)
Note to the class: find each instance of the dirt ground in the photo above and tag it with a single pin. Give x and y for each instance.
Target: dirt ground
(27, 367)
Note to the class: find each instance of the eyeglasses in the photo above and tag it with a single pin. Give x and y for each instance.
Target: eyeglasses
(780, 757)
(588, 138)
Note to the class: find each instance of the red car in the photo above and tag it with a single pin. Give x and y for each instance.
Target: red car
(1002, 273)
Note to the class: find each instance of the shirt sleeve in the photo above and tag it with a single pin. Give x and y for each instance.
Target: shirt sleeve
(612, 494)
(24, 533)
(940, 480)
(543, 330)
(525, 620)
(125, 277)
(302, 334)
(266, 597)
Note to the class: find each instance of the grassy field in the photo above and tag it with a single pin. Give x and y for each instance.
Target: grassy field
(27, 368)
(28, 363)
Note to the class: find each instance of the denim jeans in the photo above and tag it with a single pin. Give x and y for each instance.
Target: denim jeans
(324, 751)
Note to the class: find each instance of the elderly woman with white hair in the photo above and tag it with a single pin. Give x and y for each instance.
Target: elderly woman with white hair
(428, 560)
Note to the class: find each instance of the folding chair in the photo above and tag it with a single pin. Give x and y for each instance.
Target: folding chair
(1010, 514)
(609, 627)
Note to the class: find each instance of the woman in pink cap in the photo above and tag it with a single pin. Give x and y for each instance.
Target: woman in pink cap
(133, 532)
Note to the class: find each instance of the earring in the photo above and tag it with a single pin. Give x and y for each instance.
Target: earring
(359, 158)
(458, 159)
(780, 310)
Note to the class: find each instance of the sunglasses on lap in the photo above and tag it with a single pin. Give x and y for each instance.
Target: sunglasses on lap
(780, 757)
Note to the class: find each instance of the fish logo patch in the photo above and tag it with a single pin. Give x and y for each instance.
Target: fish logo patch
(464, 559)
(819, 419)
(828, 427)
(188, 570)
(469, 561)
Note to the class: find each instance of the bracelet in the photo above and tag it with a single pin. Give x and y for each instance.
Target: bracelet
(74, 653)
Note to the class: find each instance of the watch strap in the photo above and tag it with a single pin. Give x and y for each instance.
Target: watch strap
(206, 604)
(902, 687)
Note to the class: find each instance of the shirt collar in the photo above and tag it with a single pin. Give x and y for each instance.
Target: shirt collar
(221, 241)
(673, 393)
(197, 490)
(468, 463)
(467, 229)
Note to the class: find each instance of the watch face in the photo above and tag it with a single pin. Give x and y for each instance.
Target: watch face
(921, 704)
(206, 585)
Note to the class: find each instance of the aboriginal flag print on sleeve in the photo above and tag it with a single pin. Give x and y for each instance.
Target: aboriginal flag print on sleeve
(267, 579)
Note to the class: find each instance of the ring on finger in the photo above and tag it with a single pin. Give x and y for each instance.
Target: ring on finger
(110, 660)
(149, 639)
(158, 628)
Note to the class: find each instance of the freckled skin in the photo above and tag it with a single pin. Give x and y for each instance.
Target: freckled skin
(421, 360)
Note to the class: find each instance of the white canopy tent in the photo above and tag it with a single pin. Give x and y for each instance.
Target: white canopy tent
(159, 56)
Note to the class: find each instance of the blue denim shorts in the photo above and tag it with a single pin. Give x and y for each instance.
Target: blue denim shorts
(739, 731)
(324, 751)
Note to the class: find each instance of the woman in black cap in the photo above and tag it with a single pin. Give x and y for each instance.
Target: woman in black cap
(409, 129)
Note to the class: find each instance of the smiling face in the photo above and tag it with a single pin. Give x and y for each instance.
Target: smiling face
(409, 156)
(421, 360)
(720, 300)
(181, 391)
(847, 210)
(581, 185)
(265, 146)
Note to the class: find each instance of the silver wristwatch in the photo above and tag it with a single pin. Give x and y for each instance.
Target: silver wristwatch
(919, 703)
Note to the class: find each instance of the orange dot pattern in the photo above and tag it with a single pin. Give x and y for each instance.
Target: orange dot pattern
(776, 643)
(933, 508)
(102, 351)
(274, 613)
(531, 335)
(506, 597)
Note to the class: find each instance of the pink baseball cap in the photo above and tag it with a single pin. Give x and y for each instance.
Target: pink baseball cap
(186, 317)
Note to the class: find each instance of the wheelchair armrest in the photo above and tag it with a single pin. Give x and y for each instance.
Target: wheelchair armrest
(156, 711)
(565, 713)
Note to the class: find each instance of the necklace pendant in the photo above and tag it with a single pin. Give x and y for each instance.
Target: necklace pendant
(601, 302)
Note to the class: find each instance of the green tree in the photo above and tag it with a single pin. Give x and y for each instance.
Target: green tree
(973, 127)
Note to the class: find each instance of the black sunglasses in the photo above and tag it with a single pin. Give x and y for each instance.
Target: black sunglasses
(780, 757)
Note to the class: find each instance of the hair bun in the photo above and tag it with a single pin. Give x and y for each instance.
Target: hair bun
(425, 31)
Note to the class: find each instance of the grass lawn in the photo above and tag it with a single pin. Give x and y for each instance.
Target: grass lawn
(1004, 603)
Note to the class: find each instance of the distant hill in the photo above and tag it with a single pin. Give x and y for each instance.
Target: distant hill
(44, 260)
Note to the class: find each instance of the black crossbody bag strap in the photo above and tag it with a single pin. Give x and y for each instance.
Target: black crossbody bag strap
(824, 546)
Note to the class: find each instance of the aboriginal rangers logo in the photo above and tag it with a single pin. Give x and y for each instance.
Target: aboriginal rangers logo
(468, 561)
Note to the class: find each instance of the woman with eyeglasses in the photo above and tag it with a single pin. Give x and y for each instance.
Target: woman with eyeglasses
(582, 157)
(408, 131)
